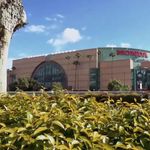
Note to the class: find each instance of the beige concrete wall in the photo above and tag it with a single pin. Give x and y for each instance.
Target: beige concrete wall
(82, 71)
(25, 67)
(118, 70)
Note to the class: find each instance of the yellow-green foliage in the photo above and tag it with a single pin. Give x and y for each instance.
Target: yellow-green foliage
(69, 122)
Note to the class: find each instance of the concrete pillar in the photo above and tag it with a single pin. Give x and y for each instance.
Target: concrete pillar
(12, 17)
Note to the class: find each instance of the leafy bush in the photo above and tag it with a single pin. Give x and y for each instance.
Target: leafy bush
(130, 98)
(57, 87)
(44, 122)
(125, 97)
(25, 84)
(116, 85)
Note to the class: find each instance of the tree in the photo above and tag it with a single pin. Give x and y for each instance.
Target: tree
(25, 84)
(116, 85)
(12, 17)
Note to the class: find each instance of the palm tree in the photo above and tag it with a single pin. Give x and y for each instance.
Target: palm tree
(76, 63)
(112, 55)
(68, 59)
(89, 60)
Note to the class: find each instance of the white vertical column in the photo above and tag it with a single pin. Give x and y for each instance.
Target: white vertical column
(12, 17)
(3, 59)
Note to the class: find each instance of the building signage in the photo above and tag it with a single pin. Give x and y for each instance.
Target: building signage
(132, 53)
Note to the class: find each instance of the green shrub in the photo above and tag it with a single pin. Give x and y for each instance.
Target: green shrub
(126, 97)
(116, 85)
(44, 122)
(25, 84)
(130, 98)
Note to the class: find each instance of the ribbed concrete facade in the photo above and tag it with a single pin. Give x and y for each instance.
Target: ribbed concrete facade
(87, 69)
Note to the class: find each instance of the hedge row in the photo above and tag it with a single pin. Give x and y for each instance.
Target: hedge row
(125, 97)
(69, 122)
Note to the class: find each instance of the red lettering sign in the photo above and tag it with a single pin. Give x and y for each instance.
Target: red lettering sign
(132, 53)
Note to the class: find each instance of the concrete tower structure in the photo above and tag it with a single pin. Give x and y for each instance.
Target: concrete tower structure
(12, 17)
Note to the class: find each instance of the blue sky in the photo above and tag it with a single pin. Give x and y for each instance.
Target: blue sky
(60, 25)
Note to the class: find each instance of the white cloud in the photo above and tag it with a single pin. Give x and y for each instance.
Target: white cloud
(111, 45)
(51, 19)
(48, 18)
(35, 28)
(50, 41)
(126, 45)
(60, 16)
(69, 35)
(56, 18)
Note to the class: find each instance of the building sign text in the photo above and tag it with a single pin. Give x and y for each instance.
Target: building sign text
(132, 53)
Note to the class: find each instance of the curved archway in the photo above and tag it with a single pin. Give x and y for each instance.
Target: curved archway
(48, 73)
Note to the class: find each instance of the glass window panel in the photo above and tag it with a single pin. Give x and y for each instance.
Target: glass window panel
(49, 72)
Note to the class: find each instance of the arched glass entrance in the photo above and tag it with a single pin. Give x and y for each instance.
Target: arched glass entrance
(48, 73)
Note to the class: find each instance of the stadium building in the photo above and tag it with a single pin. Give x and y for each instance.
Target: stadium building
(87, 69)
